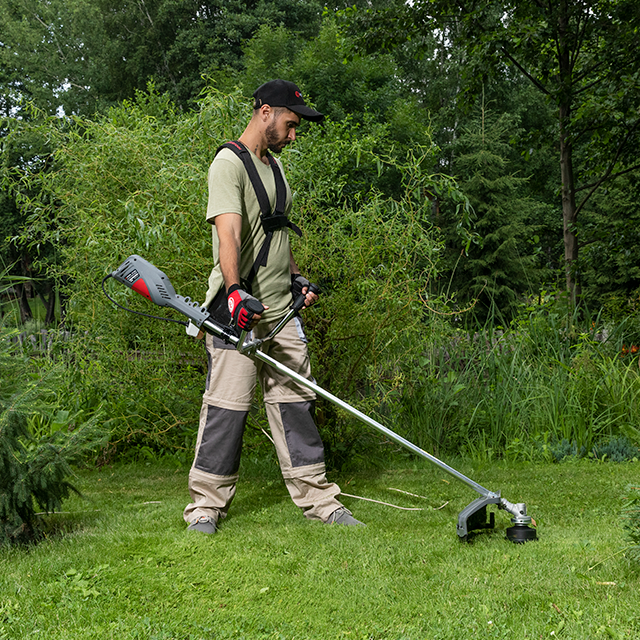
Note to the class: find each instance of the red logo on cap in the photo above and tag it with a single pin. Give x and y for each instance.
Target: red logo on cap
(298, 94)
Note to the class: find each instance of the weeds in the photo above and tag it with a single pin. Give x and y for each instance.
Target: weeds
(537, 390)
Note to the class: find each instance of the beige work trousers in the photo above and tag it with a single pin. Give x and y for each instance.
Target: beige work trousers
(226, 402)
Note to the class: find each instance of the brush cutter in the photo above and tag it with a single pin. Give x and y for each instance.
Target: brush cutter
(141, 276)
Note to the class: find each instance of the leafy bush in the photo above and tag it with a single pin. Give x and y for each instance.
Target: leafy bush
(135, 182)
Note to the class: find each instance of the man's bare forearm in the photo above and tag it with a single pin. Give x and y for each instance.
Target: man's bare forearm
(230, 264)
(229, 227)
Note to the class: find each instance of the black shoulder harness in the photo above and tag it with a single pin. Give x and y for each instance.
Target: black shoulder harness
(271, 220)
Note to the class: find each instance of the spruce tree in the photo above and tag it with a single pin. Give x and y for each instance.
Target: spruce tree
(502, 267)
(34, 472)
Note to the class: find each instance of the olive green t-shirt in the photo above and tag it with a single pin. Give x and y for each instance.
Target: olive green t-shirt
(231, 191)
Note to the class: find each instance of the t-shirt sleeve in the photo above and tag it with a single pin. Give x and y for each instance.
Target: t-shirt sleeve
(226, 186)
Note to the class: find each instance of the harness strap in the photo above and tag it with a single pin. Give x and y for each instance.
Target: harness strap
(281, 190)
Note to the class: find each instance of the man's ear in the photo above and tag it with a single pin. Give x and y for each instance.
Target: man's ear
(265, 112)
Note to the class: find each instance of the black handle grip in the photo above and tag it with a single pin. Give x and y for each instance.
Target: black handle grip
(299, 302)
(254, 306)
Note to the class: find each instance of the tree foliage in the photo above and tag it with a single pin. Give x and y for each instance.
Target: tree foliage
(610, 236)
(583, 57)
(501, 266)
(83, 55)
(341, 81)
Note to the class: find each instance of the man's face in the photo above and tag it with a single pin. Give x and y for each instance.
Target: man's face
(282, 129)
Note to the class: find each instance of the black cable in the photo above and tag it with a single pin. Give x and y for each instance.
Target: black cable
(139, 313)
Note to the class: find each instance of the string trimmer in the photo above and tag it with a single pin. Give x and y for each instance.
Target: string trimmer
(141, 276)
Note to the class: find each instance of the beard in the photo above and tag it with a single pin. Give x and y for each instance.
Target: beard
(274, 143)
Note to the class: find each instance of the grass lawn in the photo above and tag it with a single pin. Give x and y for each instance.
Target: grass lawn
(123, 566)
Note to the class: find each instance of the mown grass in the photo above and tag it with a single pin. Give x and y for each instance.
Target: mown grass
(122, 565)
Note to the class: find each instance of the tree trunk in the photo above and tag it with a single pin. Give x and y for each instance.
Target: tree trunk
(49, 303)
(23, 303)
(569, 214)
(51, 307)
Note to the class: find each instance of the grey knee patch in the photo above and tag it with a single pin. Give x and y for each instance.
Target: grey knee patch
(303, 440)
(221, 443)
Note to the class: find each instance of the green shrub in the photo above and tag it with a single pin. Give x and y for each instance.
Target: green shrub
(616, 449)
(34, 462)
(135, 182)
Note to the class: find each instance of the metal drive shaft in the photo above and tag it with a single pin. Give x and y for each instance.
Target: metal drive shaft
(218, 331)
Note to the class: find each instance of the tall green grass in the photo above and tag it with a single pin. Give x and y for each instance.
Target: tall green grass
(539, 389)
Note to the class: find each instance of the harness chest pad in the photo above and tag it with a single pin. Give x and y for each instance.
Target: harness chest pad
(271, 220)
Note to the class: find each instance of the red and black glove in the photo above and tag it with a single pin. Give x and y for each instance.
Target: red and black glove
(243, 307)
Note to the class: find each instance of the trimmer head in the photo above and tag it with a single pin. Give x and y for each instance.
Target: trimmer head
(474, 517)
(521, 531)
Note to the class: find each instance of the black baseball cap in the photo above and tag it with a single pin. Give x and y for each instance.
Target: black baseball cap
(282, 93)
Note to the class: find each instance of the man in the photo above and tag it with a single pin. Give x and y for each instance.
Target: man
(239, 244)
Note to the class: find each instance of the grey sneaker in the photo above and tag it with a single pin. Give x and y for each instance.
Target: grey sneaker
(204, 524)
(343, 516)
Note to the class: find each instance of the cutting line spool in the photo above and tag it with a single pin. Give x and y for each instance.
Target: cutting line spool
(521, 533)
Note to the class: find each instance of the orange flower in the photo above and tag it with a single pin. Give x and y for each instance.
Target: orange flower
(625, 351)
(634, 348)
